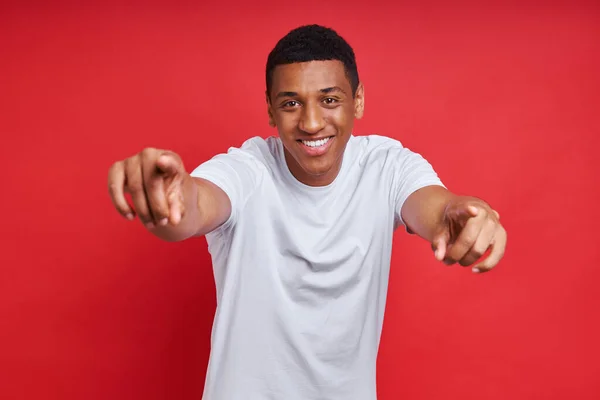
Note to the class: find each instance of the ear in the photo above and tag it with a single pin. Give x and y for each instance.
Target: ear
(270, 111)
(359, 101)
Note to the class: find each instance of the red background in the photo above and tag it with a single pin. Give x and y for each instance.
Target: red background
(504, 100)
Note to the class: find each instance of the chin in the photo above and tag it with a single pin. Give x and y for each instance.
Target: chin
(315, 173)
(317, 170)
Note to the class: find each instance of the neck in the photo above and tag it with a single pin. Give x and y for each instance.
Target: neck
(322, 179)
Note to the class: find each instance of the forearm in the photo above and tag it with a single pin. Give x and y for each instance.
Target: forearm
(206, 208)
(423, 210)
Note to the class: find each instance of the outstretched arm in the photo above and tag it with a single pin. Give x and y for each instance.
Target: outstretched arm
(460, 228)
(171, 204)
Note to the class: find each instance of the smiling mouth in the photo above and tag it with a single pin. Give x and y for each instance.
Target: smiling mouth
(316, 143)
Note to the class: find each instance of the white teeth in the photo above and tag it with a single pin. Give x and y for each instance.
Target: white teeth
(315, 143)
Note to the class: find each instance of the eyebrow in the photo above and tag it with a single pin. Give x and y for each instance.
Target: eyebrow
(332, 89)
(286, 94)
(325, 90)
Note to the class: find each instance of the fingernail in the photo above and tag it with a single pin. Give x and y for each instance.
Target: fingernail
(149, 225)
(164, 221)
(129, 216)
(476, 270)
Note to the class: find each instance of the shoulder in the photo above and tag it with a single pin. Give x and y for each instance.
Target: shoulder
(255, 153)
(377, 149)
(376, 142)
(263, 149)
(266, 152)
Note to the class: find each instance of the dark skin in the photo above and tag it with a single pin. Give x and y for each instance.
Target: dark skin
(310, 100)
(313, 100)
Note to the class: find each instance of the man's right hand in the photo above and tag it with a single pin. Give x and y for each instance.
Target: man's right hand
(156, 180)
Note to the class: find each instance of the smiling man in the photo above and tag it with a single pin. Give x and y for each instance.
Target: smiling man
(300, 229)
(313, 104)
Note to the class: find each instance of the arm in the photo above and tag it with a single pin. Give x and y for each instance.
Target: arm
(460, 228)
(208, 208)
(170, 203)
(423, 210)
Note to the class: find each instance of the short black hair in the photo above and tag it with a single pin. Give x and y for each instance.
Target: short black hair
(312, 43)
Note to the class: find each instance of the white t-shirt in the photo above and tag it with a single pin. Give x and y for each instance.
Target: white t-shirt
(302, 272)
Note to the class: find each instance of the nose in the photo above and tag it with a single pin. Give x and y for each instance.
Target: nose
(311, 120)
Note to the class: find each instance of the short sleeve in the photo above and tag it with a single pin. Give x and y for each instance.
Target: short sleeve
(237, 173)
(411, 173)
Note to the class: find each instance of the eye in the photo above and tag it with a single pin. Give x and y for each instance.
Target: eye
(330, 100)
(291, 103)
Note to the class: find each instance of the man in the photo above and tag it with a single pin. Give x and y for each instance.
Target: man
(300, 229)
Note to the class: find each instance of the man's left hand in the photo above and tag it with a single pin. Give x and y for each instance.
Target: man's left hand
(469, 229)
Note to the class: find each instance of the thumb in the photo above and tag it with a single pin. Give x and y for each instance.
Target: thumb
(463, 212)
(169, 164)
(439, 244)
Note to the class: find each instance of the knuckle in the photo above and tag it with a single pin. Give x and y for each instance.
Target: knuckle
(129, 166)
(135, 185)
(114, 169)
(467, 240)
(116, 165)
(479, 249)
(130, 160)
(135, 188)
(114, 188)
(176, 157)
(148, 152)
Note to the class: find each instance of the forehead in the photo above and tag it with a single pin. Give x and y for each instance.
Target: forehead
(309, 76)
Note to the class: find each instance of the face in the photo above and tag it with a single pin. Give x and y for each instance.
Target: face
(312, 106)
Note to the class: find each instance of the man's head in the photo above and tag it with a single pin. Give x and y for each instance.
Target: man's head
(313, 95)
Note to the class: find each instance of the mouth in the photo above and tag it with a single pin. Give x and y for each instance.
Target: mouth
(316, 147)
(315, 143)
